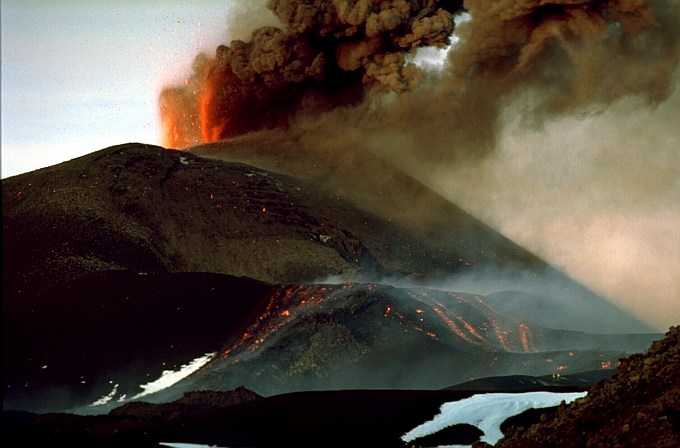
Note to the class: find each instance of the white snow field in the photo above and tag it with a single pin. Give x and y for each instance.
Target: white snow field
(488, 411)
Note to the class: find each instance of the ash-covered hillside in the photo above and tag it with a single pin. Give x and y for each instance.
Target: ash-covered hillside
(143, 208)
(134, 260)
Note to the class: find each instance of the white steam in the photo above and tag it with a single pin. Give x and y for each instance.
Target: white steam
(597, 196)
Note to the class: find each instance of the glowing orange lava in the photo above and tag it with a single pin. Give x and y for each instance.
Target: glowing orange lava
(190, 114)
(210, 130)
(525, 337)
(178, 119)
(452, 325)
(470, 329)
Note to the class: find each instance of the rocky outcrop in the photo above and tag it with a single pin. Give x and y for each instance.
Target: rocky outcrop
(639, 406)
(190, 403)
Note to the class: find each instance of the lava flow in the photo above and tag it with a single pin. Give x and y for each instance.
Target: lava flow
(356, 335)
(452, 318)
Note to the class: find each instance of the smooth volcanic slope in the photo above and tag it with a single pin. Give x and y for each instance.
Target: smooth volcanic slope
(142, 208)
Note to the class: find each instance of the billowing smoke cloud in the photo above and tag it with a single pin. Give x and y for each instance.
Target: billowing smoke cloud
(326, 54)
(597, 196)
(550, 120)
(575, 56)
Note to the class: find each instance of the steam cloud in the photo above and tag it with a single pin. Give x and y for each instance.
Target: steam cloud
(522, 79)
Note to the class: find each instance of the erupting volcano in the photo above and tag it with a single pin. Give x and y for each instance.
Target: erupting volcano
(300, 234)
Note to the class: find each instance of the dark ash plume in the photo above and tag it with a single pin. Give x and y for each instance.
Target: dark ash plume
(327, 54)
(578, 54)
(573, 56)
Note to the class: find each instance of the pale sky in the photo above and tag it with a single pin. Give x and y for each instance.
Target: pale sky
(79, 76)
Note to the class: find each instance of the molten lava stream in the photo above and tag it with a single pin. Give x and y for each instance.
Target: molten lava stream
(178, 120)
(211, 130)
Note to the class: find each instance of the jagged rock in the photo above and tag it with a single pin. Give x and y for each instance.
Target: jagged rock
(639, 406)
(190, 401)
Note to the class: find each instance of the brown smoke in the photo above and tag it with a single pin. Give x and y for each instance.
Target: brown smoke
(327, 54)
(546, 59)
(580, 55)
(573, 56)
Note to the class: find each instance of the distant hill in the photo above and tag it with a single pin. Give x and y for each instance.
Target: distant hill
(143, 208)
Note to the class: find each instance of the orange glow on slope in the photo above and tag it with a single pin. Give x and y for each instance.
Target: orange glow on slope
(525, 337)
(470, 329)
(452, 325)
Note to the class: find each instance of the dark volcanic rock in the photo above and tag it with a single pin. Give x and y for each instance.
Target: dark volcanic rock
(190, 403)
(639, 406)
(528, 382)
(307, 419)
(135, 259)
(67, 347)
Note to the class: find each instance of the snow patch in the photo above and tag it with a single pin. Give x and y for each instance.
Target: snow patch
(170, 377)
(488, 411)
(106, 398)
